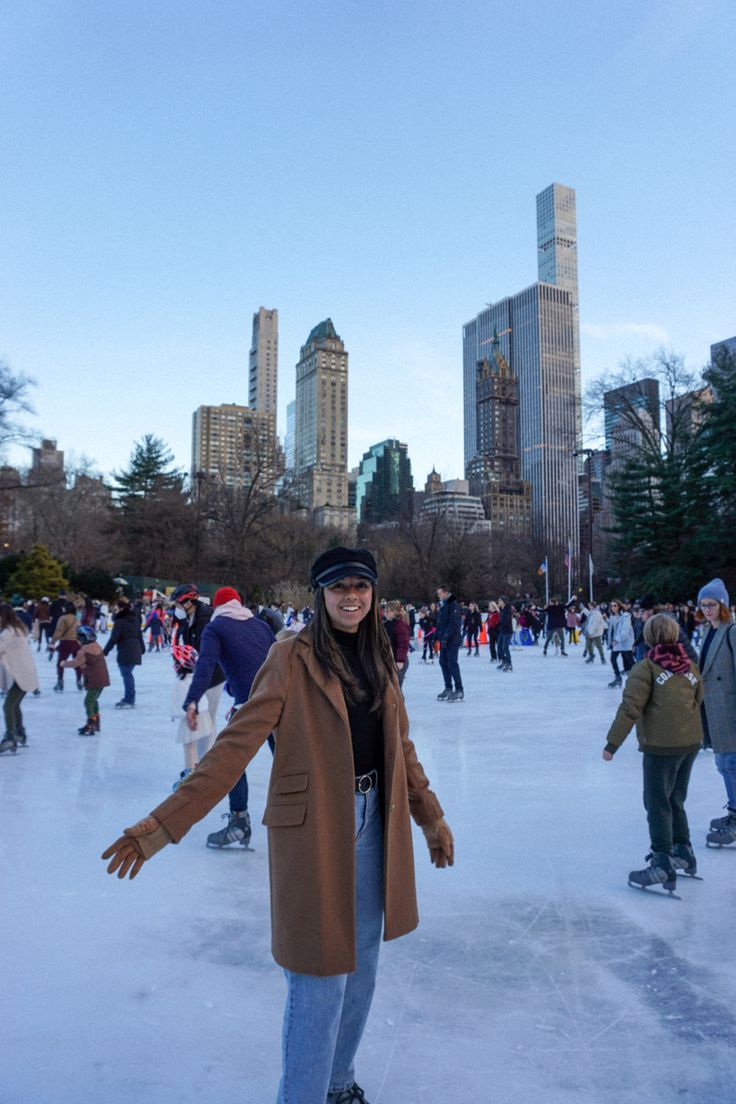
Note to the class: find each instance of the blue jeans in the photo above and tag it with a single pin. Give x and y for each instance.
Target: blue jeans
(325, 1016)
(126, 672)
(449, 665)
(726, 764)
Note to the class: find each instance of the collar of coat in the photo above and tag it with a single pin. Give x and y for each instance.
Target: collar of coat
(723, 629)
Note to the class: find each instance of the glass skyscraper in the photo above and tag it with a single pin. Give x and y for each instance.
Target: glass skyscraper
(385, 488)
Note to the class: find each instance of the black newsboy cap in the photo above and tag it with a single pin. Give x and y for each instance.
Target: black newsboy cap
(337, 563)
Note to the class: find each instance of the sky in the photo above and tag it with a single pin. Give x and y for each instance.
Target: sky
(168, 168)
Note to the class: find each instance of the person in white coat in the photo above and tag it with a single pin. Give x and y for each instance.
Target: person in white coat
(594, 626)
(18, 675)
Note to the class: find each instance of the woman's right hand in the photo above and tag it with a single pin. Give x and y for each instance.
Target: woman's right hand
(130, 851)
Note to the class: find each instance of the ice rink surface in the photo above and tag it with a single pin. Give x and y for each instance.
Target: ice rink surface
(536, 973)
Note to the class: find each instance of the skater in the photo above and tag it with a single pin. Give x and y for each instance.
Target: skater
(555, 626)
(127, 637)
(449, 635)
(621, 640)
(237, 641)
(662, 698)
(18, 676)
(155, 625)
(471, 628)
(89, 663)
(43, 622)
(505, 633)
(65, 644)
(396, 624)
(428, 625)
(191, 616)
(345, 774)
(594, 627)
(718, 665)
(492, 630)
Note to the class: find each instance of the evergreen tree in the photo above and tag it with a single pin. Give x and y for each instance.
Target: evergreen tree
(149, 471)
(717, 441)
(37, 574)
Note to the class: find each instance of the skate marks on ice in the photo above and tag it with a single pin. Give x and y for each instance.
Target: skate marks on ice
(558, 996)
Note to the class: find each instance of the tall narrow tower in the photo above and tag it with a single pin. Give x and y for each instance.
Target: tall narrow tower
(321, 430)
(557, 262)
(263, 372)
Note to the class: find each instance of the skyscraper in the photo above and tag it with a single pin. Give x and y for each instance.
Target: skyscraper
(263, 373)
(631, 417)
(321, 432)
(235, 445)
(385, 488)
(537, 333)
(289, 439)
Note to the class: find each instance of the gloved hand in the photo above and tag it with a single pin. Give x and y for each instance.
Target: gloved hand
(136, 844)
(440, 843)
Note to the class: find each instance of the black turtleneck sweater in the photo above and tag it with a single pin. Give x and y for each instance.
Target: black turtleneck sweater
(366, 728)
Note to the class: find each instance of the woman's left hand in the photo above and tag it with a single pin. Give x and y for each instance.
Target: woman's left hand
(440, 843)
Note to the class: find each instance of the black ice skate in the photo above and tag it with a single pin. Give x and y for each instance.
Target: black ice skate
(616, 682)
(660, 872)
(456, 695)
(721, 837)
(352, 1095)
(237, 830)
(685, 861)
(728, 821)
(8, 743)
(445, 695)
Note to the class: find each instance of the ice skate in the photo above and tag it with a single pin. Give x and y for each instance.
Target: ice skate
(445, 695)
(456, 695)
(21, 738)
(124, 704)
(728, 821)
(87, 729)
(616, 682)
(237, 830)
(721, 837)
(352, 1095)
(660, 872)
(8, 743)
(59, 688)
(685, 861)
(183, 774)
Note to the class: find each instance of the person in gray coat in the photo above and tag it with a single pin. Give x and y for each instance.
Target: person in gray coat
(621, 639)
(718, 668)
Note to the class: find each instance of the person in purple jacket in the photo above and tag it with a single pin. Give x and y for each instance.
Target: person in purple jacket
(239, 643)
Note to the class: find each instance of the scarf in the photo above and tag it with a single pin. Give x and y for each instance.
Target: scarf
(671, 657)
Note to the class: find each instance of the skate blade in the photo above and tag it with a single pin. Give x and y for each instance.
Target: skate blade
(665, 892)
(718, 846)
(692, 877)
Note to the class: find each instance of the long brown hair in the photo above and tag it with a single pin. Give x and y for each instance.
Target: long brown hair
(9, 619)
(374, 652)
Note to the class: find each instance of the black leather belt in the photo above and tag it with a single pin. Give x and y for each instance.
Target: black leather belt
(364, 783)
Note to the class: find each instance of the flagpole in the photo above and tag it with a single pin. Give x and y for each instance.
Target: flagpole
(546, 580)
(569, 570)
(590, 576)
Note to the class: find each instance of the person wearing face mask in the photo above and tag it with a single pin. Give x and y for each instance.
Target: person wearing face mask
(191, 617)
(344, 784)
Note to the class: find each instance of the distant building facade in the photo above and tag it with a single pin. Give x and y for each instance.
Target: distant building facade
(235, 445)
(456, 506)
(263, 366)
(631, 417)
(321, 429)
(384, 488)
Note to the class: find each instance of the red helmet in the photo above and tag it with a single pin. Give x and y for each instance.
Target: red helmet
(185, 592)
(185, 658)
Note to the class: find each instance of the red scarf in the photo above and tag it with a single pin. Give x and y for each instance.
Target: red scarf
(672, 657)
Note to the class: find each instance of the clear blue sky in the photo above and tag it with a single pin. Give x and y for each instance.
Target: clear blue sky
(169, 167)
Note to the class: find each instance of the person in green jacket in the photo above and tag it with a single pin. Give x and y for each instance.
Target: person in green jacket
(662, 698)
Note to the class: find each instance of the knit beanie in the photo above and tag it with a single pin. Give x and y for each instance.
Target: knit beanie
(714, 589)
(223, 595)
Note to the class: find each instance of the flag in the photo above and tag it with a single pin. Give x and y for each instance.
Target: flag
(542, 569)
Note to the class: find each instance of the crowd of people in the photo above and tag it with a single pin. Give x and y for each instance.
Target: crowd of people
(324, 687)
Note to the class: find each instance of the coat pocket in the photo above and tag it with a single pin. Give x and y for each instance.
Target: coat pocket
(285, 816)
(295, 782)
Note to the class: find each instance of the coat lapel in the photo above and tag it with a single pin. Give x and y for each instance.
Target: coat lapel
(713, 650)
(328, 684)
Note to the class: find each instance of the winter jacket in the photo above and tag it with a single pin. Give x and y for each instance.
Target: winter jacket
(238, 648)
(719, 682)
(665, 707)
(19, 666)
(594, 623)
(190, 632)
(449, 621)
(621, 632)
(310, 811)
(555, 617)
(127, 637)
(273, 618)
(471, 622)
(397, 631)
(43, 611)
(506, 621)
(66, 628)
(91, 662)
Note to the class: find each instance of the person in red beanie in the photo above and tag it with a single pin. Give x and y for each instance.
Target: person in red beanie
(238, 643)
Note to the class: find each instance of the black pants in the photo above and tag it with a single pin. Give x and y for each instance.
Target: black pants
(627, 658)
(504, 650)
(11, 711)
(449, 666)
(472, 640)
(666, 778)
(493, 641)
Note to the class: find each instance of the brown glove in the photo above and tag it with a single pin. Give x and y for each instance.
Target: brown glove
(136, 844)
(440, 843)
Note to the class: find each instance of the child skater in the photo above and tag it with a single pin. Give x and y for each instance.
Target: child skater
(90, 665)
(662, 698)
(196, 743)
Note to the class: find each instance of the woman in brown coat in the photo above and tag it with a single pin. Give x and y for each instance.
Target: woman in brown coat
(344, 783)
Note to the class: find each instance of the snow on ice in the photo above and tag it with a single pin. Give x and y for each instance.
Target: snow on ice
(536, 972)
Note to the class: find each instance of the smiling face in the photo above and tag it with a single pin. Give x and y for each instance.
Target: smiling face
(347, 602)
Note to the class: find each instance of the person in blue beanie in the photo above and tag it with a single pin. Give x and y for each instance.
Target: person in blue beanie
(718, 667)
(239, 643)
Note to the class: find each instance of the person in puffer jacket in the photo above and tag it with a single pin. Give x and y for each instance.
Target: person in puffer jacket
(662, 698)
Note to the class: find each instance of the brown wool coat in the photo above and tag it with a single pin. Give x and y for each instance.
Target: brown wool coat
(92, 663)
(310, 811)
